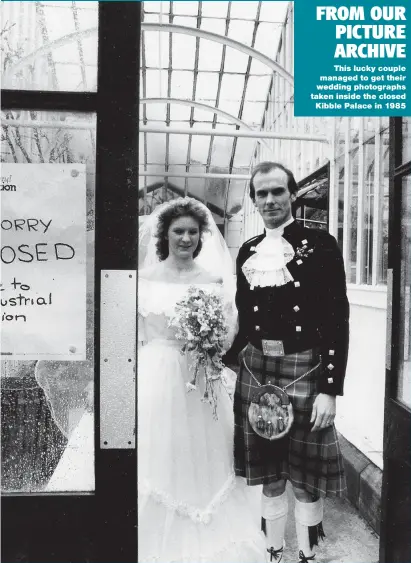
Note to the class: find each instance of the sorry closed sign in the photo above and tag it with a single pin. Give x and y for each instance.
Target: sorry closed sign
(43, 261)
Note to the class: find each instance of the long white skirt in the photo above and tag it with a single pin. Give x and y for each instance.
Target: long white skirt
(191, 506)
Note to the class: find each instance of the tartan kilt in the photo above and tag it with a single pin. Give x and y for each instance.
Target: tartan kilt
(309, 460)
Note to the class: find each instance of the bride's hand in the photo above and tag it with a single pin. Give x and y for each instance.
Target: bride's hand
(229, 378)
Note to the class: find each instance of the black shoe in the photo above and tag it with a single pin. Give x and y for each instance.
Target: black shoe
(304, 559)
(276, 555)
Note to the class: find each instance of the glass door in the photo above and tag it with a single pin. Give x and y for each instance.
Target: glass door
(68, 264)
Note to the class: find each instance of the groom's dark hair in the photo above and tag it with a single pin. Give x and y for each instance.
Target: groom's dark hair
(265, 168)
(182, 209)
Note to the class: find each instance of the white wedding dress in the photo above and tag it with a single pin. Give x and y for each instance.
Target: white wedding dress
(191, 506)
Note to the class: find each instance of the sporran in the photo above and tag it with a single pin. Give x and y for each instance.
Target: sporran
(271, 412)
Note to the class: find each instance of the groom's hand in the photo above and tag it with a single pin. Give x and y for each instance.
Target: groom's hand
(323, 413)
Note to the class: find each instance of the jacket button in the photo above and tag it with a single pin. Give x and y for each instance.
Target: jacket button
(256, 308)
(296, 308)
(331, 352)
(330, 366)
(257, 328)
(330, 380)
(297, 284)
(299, 262)
(298, 328)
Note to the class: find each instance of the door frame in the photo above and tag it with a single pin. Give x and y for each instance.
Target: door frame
(397, 416)
(101, 526)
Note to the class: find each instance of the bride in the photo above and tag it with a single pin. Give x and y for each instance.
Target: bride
(191, 506)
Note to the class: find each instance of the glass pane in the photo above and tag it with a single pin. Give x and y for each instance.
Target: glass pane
(354, 124)
(159, 189)
(47, 413)
(352, 271)
(340, 173)
(369, 227)
(185, 7)
(156, 49)
(404, 383)
(314, 218)
(50, 45)
(383, 243)
(341, 124)
(183, 46)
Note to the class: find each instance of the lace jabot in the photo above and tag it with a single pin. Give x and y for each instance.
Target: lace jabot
(267, 267)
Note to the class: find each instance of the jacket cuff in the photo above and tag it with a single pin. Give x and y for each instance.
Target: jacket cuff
(333, 364)
(329, 389)
(330, 383)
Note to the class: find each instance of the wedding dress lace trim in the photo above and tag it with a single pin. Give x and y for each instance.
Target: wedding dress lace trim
(215, 555)
(160, 298)
(197, 515)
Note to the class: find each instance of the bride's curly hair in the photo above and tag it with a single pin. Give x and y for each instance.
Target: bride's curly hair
(189, 208)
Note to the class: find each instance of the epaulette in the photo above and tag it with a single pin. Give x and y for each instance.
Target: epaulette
(323, 239)
(250, 240)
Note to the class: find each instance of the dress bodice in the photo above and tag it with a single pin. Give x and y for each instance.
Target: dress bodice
(156, 306)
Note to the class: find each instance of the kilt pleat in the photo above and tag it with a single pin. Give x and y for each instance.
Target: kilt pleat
(309, 460)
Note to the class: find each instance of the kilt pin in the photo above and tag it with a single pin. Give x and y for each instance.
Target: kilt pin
(305, 320)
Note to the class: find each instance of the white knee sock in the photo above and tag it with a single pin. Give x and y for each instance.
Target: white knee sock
(274, 511)
(308, 524)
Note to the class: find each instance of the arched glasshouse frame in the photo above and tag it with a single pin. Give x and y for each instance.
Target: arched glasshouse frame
(101, 526)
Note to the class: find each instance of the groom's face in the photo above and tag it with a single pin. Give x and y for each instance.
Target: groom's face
(272, 197)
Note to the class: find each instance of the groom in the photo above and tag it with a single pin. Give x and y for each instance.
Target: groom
(293, 313)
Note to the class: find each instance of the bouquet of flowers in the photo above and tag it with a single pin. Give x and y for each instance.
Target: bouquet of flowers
(200, 323)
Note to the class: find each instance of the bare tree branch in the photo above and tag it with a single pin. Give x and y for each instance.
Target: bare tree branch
(9, 142)
(6, 29)
(33, 115)
(17, 137)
